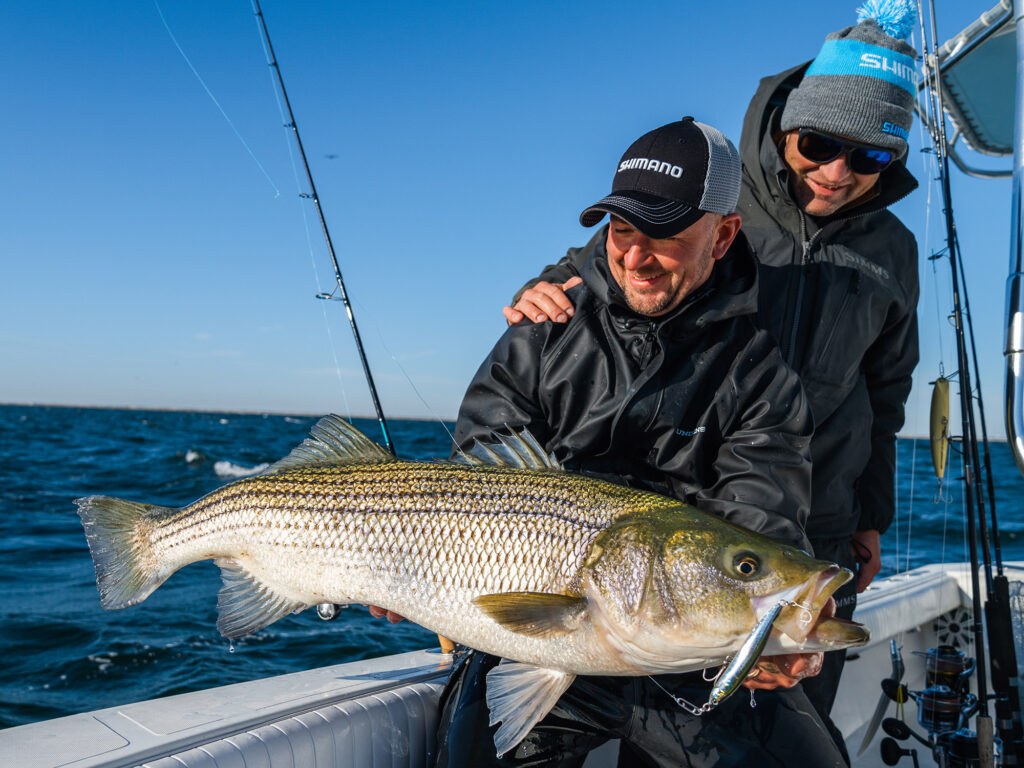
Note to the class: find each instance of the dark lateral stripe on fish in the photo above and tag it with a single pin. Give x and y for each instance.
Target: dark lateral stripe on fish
(565, 528)
(407, 502)
(275, 491)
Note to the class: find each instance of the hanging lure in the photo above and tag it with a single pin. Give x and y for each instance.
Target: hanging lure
(939, 426)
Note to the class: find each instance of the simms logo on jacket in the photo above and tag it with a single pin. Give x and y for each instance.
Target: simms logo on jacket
(646, 164)
(689, 433)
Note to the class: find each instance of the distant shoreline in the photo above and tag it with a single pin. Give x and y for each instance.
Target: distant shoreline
(300, 414)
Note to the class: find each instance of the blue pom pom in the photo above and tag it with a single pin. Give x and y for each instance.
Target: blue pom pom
(897, 18)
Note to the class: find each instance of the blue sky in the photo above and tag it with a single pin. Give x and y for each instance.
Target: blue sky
(149, 260)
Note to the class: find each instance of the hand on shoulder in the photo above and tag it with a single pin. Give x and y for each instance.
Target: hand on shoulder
(544, 301)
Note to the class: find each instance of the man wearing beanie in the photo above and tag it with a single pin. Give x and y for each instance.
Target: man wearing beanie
(823, 149)
(662, 381)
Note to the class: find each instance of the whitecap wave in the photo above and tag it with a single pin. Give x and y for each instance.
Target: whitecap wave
(192, 457)
(228, 469)
(103, 663)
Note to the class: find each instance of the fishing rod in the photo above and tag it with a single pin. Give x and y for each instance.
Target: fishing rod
(986, 447)
(996, 611)
(1002, 648)
(999, 622)
(329, 611)
(343, 294)
(984, 721)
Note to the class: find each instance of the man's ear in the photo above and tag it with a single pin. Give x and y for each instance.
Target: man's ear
(725, 233)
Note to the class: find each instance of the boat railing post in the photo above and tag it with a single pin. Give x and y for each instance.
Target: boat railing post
(1014, 392)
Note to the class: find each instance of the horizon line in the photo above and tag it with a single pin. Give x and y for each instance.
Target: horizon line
(243, 412)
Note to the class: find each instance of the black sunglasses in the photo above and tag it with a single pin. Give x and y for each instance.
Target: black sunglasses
(862, 158)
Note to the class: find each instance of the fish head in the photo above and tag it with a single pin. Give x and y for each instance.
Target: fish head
(663, 585)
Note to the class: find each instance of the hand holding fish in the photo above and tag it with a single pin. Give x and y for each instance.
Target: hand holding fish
(379, 613)
(787, 669)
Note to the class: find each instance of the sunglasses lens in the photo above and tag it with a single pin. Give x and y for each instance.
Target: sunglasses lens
(869, 160)
(818, 148)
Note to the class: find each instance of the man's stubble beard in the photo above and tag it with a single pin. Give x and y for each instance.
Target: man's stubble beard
(702, 267)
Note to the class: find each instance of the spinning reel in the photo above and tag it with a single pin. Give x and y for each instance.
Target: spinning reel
(944, 709)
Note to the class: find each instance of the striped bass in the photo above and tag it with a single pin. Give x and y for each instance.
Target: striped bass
(501, 551)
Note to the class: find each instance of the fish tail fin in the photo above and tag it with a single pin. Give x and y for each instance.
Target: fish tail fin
(118, 532)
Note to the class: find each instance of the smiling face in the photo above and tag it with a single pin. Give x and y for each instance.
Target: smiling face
(657, 274)
(821, 189)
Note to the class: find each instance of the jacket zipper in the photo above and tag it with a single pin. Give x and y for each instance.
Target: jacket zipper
(649, 336)
(808, 243)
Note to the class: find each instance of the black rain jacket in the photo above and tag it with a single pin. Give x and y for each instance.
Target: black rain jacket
(697, 404)
(839, 294)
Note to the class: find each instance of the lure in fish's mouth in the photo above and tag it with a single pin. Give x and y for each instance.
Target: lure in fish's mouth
(805, 602)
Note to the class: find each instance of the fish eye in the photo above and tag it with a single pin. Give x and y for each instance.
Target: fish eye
(746, 565)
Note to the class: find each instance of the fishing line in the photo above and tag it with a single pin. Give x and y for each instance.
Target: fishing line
(383, 343)
(945, 516)
(312, 195)
(277, 192)
(929, 170)
(311, 251)
(910, 510)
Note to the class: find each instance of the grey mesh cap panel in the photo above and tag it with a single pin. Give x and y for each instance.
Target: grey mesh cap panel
(722, 184)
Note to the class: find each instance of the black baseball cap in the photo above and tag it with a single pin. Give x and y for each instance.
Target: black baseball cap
(670, 177)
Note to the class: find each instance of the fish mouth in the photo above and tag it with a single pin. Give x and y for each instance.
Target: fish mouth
(798, 619)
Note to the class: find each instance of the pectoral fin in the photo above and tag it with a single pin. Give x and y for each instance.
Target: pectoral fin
(535, 614)
(518, 696)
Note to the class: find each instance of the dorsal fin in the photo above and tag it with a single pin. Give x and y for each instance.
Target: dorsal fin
(520, 450)
(332, 441)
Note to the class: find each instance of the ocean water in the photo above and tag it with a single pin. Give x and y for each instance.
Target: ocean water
(63, 654)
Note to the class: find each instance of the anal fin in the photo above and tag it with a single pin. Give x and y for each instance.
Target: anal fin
(244, 604)
(518, 696)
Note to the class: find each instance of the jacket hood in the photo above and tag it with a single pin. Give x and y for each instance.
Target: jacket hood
(730, 291)
(765, 173)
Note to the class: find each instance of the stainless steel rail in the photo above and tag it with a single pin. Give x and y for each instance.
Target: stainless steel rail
(1014, 392)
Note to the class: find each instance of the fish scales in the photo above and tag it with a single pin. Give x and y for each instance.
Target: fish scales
(432, 536)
